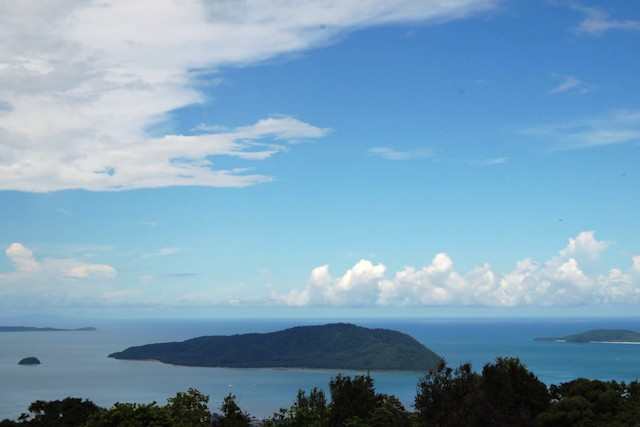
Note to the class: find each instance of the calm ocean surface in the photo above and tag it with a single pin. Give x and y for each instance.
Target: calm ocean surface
(76, 363)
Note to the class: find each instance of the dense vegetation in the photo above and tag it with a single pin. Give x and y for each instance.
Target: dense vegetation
(333, 346)
(504, 394)
(599, 335)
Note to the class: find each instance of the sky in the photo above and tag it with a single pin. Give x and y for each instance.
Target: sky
(319, 158)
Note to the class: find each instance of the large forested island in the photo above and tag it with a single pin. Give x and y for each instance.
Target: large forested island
(332, 346)
(34, 329)
(598, 335)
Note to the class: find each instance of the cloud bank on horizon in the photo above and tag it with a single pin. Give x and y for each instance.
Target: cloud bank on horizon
(559, 281)
(81, 82)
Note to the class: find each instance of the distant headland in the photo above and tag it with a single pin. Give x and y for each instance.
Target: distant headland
(332, 346)
(33, 329)
(614, 336)
(29, 361)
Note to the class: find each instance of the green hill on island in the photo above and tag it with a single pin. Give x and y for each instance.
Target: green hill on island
(332, 346)
(598, 335)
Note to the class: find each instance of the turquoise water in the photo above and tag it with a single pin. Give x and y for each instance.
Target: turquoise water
(75, 363)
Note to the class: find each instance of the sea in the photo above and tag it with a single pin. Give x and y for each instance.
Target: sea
(76, 363)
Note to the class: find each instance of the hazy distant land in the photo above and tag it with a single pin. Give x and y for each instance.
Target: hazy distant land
(613, 336)
(34, 329)
(333, 346)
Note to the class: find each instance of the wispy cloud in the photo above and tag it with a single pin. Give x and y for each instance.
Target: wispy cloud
(95, 79)
(494, 161)
(570, 84)
(597, 21)
(389, 153)
(617, 127)
(181, 275)
(162, 252)
(205, 128)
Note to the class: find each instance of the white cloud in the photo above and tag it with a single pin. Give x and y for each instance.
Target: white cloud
(636, 263)
(597, 21)
(390, 153)
(22, 258)
(570, 84)
(495, 161)
(559, 281)
(28, 268)
(83, 271)
(167, 251)
(53, 281)
(584, 244)
(617, 127)
(82, 81)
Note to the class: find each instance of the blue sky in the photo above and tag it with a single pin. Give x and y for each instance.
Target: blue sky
(471, 140)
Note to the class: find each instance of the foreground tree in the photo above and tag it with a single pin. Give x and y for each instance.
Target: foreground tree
(307, 411)
(513, 395)
(449, 398)
(505, 395)
(593, 403)
(389, 411)
(351, 398)
(232, 415)
(69, 412)
(189, 409)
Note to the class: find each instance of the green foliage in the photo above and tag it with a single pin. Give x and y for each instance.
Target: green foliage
(233, 415)
(307, 411)
(132, 415)
(354, 403)
(450, 398)
(351, 398)
(69, 412)
(506, 394)
(189, 409)
(513, 395)
(389, 412)
(184, 410)
(592, 403)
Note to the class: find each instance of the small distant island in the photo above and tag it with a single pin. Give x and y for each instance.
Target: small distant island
(29, 361)
(34, 329)
(332, 346)
(616, 336)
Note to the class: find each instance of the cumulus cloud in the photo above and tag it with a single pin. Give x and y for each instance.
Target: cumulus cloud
(560, 280)
(22, 258)
(81, 82)
(584, 244)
